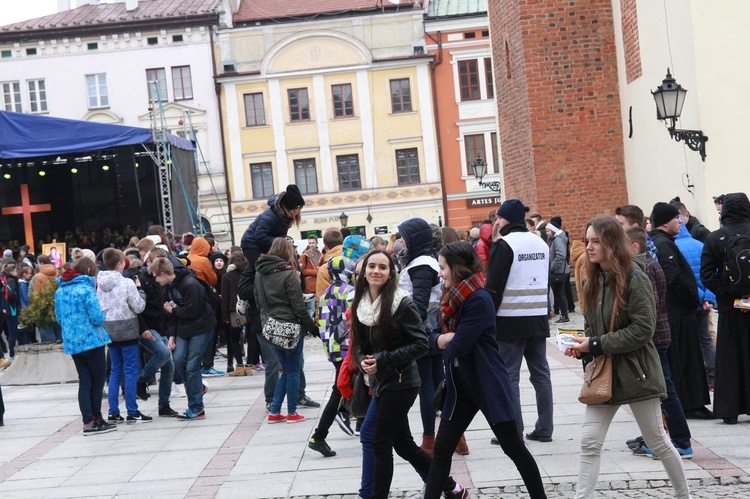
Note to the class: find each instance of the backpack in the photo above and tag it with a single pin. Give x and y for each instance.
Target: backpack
(10, 293)
(212, 297)
(737, 265)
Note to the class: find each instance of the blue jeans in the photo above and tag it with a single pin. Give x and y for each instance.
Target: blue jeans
(271, 379)
(288, 385)
(50, 333)
(92, 368)
(679, 431)
(707, 344)
(123, 358)
(366, 437)
(534, 350)
(310, 306)
(12, 323)
(187, 363)
(161, 358)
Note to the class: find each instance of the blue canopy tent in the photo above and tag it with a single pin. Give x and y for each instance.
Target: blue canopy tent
(67, 163)
(30, 135)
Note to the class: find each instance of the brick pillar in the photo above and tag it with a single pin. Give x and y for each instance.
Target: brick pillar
(558, 106)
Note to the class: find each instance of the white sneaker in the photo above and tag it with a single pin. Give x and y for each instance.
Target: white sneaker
(178, 391)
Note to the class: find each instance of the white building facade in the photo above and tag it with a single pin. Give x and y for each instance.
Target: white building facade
(93, 64)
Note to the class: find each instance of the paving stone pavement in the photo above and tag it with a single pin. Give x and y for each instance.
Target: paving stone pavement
(234, 453)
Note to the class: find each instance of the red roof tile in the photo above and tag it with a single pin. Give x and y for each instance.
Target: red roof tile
(111, 13)
(260, 10)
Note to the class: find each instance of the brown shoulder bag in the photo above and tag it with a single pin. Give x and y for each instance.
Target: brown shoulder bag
(597, 377)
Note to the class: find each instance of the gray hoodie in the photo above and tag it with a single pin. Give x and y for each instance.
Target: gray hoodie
(121, 301)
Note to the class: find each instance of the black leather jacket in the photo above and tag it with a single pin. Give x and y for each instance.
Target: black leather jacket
(397, 366)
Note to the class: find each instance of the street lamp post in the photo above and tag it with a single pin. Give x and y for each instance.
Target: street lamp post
(479, 169)
(344, 219)
(669, 98)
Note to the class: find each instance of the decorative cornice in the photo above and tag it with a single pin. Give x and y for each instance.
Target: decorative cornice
(345, 200)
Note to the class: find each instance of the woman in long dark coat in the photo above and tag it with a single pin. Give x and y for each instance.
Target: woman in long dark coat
(476, 379)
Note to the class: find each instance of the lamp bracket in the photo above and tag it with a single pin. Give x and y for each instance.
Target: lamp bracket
(493, 186)
(694, 139)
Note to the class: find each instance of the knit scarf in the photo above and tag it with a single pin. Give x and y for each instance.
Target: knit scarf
(368, 311)
(454, 298)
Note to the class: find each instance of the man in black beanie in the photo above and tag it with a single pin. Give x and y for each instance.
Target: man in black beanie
(685, 357)
(517, 275)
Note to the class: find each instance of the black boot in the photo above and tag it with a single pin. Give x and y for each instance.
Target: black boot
(141, 391)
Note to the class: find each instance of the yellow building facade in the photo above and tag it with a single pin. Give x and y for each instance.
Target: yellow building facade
(343, 108)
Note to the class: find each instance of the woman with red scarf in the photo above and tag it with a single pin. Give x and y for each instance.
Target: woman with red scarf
(476, 379)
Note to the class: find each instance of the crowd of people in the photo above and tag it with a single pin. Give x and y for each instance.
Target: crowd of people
(432, 313)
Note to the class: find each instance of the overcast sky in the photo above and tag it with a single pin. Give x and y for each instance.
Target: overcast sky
(12, 11)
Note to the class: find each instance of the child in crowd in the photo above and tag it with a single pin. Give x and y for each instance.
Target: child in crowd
(78, 312)
(121, 300)
(334, 302)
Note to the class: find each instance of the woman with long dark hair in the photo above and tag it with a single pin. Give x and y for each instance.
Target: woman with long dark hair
(388, 336)
(620, 312)
(476, 379)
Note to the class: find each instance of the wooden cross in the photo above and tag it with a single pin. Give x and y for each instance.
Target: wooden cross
(26, 209)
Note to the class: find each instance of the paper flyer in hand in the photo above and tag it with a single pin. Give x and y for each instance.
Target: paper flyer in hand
(743, 303)
(565, 337)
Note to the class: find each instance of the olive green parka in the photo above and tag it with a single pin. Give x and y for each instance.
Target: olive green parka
(637, 373)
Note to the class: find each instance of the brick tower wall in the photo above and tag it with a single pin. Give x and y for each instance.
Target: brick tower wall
(558, 102)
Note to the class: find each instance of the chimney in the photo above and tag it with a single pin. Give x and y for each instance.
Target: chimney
(131, 5)
(63, 5)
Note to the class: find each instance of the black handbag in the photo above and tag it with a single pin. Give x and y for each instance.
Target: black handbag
(438, 400)
(358, 404)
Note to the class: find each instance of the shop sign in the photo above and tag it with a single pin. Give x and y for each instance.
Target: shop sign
(485, 201)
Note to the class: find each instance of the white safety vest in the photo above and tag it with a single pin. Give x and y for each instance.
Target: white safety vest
(525, 291)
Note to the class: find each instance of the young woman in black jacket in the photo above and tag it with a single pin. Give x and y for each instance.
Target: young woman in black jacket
(389, 336)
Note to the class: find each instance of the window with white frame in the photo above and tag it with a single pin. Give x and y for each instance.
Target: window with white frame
(474, 145)
(400, 95)
(97, 90)
(305, 176)
(37, 96)
(343, 105)
(158, 75)
(407, 165)
(474, 78)
(12, 96)
(348, 170)
(255, 114)
(182, 83)
(261, 175)
(299, 105)
(468, 80)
